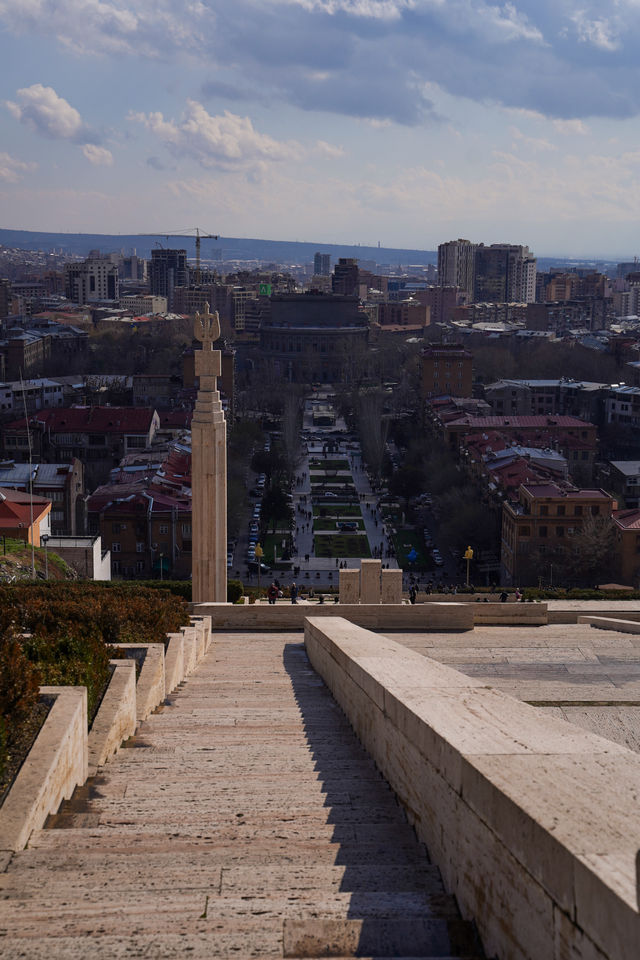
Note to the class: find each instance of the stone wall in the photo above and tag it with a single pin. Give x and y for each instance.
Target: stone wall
(533, 822)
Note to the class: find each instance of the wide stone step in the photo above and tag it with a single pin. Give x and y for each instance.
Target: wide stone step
(58, 876)
(83, 913)
(49, 844)
(379, 938)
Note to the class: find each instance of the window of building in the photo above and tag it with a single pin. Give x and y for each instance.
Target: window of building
(140, 566)
(561, 510)
(186, 529)
(115, 566)
(525, 531)
(559, 531)
(578, 511)
(115, 547)
(544, 511)
(186, 546)
(163, 528)
(139, 547)
(595, 510)
(543, 531)
(115, 528)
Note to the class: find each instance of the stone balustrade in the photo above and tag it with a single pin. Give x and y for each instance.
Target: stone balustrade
(533, 822)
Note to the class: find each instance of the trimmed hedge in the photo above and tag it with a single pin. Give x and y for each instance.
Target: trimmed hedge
(59, 633)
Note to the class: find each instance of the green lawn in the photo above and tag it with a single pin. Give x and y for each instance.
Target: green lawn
(403, 541)
(267, 545)
(342, 545)
(331, 523)
(346, 510)
(316, 464)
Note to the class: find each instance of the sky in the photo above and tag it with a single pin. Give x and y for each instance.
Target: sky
(400, 122)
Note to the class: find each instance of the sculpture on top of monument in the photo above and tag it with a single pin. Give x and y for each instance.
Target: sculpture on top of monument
(206, 327)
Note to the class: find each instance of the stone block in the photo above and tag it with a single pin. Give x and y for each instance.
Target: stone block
(392, 586)
(349, 586)
(370, 581)
(150, 689)
(55, 765)
(115, 720)
(174, 662)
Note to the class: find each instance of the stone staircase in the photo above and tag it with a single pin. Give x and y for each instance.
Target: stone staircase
(244, 820)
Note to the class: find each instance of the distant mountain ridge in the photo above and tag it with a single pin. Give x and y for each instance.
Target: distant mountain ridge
(226, 248)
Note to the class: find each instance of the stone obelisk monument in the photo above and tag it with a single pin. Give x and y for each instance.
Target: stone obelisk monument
(208, 470)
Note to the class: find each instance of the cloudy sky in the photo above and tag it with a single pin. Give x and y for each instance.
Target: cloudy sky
(407, 122)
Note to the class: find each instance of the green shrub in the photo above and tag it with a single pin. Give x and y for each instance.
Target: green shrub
(235, 590)
(19, 681)
(74, 656)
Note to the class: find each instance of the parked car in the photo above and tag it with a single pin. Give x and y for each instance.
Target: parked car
(253, 567)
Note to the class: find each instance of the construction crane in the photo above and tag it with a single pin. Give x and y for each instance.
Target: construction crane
(189, 232)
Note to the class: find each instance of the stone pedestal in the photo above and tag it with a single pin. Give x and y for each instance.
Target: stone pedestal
(208, 470)
(370, 581)
(349, 586)
(392, 586)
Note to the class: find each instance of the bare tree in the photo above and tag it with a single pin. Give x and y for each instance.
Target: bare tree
(374, 427)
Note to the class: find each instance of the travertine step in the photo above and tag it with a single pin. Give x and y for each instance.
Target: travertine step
(244, 821)
(379, 938)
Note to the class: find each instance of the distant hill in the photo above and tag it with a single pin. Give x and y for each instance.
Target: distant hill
(226, 248)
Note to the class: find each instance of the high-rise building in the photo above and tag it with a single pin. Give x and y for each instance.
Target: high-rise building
(322, 264)
(346, 277)
(168, 270)
(456, 260)
(94, 279)
(504, 273)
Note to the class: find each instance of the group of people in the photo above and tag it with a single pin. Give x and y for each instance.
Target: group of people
(274, 592)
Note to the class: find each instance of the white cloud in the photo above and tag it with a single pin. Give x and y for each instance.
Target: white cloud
(571, 127)
(41, 109)
(369, 9)
(601, 33)
(12, 169)
(329, 149)
(98, 156)
(531, 143)
(226, 141)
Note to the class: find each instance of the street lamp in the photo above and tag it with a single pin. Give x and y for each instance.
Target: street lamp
(468, 555)
(44, 537)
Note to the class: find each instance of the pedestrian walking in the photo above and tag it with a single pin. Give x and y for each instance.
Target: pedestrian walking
(294, 593)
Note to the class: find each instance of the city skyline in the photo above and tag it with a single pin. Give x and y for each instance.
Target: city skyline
(404, 122)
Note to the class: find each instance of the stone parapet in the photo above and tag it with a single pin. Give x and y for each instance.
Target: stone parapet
(533, 821)
(56, 764)
(174, 671)
(150, 689)
(115, 720)
(568, 611)
(611, 623)
(438, 617)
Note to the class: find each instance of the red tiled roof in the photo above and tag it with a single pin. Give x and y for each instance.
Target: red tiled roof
(92, 420)
(629, 519)
(15, 508)
(496, 423)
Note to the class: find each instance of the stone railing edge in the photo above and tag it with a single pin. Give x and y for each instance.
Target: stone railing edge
(561, 890)
(56, 764)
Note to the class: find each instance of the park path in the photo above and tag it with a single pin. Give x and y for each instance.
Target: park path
(243, 820)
